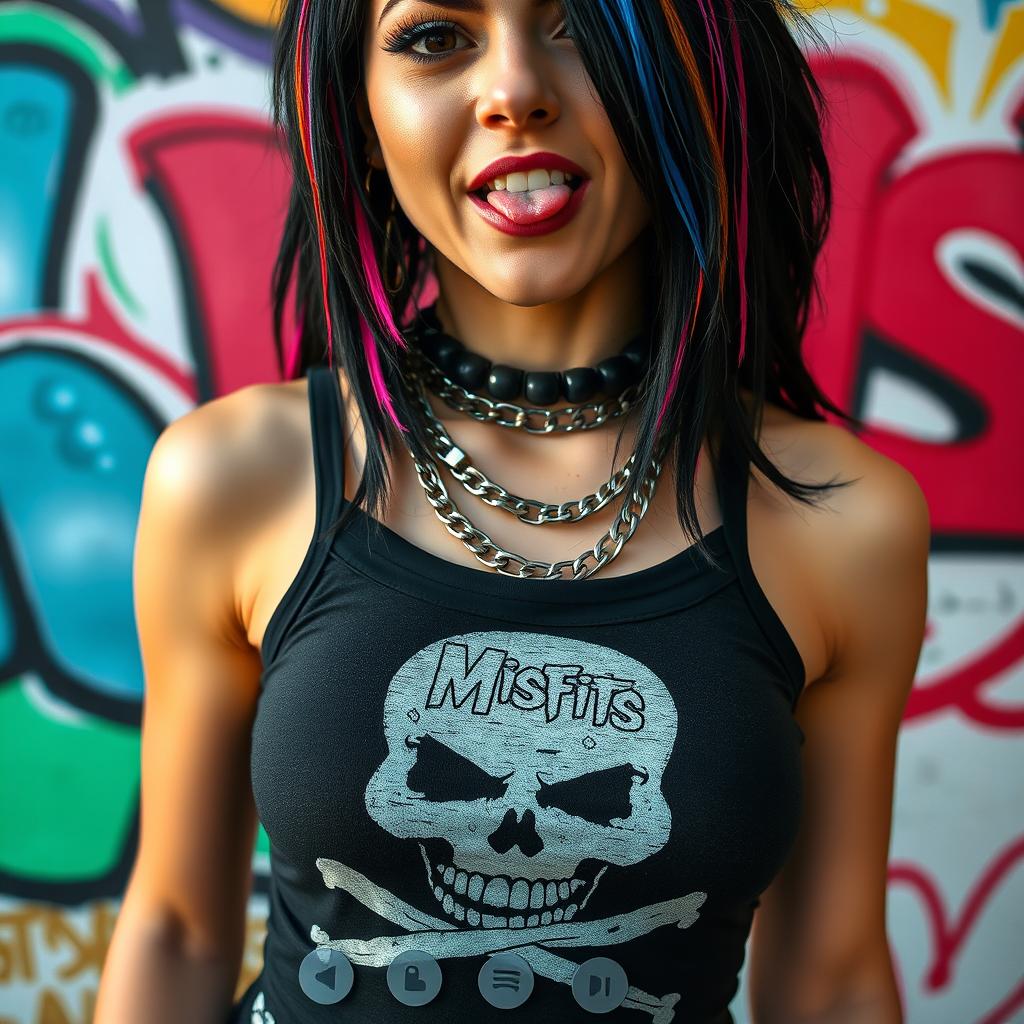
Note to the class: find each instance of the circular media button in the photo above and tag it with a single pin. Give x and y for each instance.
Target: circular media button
(505, 980)
(599, 984)
(414, 977)
(326, 975)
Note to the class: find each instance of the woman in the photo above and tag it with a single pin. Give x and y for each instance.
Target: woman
(505, 766)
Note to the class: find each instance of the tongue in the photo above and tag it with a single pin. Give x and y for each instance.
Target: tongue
(530, 207)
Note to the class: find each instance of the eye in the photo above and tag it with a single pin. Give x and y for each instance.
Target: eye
(441, 773)
(597, 796)
(405, 34)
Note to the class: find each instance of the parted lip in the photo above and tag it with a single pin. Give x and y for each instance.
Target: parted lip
(507, 164)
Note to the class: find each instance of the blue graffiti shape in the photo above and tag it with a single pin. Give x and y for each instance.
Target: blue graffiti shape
(76, 441)
(35, 109)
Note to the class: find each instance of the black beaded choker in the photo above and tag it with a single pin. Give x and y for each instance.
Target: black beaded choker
(539, 387)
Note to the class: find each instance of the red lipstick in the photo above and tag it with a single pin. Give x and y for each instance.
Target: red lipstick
(538, 221)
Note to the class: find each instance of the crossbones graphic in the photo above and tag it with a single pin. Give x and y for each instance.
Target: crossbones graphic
(433, 934)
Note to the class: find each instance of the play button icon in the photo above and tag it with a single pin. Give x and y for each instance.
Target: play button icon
(326, 975)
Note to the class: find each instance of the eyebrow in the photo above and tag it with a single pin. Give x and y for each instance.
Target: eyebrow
(474, 6)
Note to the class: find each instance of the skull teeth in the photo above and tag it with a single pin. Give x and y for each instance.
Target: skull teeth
(493, 901)
(501, 893)
(474, 917)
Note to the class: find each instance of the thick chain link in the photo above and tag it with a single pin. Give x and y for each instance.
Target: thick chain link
(527, 510)
(511, 564)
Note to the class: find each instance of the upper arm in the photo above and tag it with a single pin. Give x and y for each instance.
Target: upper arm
(820, 930)
(201, 684)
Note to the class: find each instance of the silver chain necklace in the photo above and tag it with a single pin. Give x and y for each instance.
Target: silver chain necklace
(509, 563)
(476, 483)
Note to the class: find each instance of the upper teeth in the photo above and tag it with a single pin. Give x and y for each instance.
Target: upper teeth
(525, 181)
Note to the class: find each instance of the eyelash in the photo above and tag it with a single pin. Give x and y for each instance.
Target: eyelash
(401, 38)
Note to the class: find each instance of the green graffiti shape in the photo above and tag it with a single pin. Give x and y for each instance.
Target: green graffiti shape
(68, 786)
(53, 29)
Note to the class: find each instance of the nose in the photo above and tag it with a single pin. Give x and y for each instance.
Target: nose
(513, 831)
(516, 91)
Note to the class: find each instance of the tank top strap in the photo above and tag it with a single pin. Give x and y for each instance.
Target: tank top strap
(733, 479)
(326, 416)
(326, 428)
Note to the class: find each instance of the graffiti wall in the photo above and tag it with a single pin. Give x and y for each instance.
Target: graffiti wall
(141, 195)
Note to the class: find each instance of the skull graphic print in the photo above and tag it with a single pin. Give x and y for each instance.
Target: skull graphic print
(523, 765)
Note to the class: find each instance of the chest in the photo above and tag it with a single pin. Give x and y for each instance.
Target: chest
(427, 747)
(271, 562)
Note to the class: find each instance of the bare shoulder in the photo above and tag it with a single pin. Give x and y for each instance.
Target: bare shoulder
(227, 456)
(878, 503)
(881, 493)
(220, 473)
(868, 535)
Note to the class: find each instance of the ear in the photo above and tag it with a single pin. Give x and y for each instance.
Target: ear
(373, 152)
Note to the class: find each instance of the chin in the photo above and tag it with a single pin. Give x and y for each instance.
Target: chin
(527, 285)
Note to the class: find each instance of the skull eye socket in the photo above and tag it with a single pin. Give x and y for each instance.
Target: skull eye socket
(596, 797)
(441, 774)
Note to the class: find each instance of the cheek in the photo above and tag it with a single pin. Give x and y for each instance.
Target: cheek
(419, 144)
(406, 113)
(412, 123)
(626, 201)
(619, 185)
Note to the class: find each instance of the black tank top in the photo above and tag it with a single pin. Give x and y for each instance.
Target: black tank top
(455, 761)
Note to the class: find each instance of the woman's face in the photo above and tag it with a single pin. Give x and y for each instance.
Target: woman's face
(450, 87)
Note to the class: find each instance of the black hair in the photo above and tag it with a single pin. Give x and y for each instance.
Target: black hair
(740, 167)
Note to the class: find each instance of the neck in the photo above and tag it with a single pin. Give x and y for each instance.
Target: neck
(580, 330)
